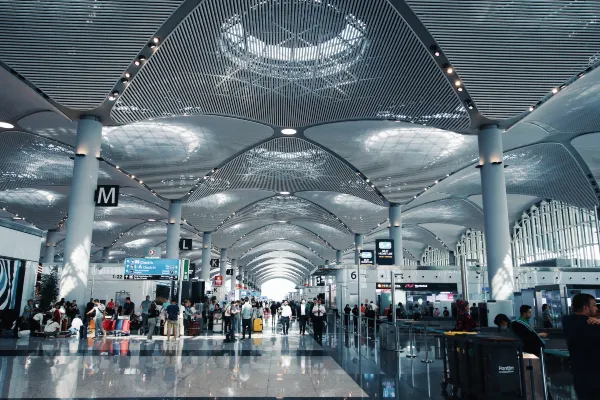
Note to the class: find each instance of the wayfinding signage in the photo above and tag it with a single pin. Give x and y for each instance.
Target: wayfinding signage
(366, 257)
(107, 196)
(320, 281)
(185, 244)
(416, 287)
(214, 262)
(384, 251)
(151, 268)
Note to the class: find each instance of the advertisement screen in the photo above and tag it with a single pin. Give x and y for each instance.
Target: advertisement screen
(384, 252)
(366, 257)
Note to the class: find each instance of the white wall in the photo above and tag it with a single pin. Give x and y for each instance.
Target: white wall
(19, 245)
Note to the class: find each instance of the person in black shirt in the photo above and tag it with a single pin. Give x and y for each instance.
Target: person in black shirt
(129, 307)
(582, 331)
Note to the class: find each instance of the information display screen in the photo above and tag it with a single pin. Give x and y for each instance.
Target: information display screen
(366, 257)
(384, 251)
(151, 269)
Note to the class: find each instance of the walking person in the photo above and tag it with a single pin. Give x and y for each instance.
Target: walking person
(303, 316)
(286, 314)
(247, 319)
(318, 317)
(274, 308)
(347, 312)
(172, 320)
(145, 307)
(153, 315)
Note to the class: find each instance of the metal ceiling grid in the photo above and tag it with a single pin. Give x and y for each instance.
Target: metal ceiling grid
(280, 209)
(359, 215)
(30, 161)
(337, 238)
(75, 51)
(545, 170)
(51, 125)
(293, 63)
(415, 249)
(451, 211)
(509, 54)
(224, 238)
(209, 212)
(280, 232)
(131, 207)
(411, 232)
(171, 155)
(284, 255)
(43, 206)
(280, 260)
(105, 232)
(574, 109)
(17, 99)
(280, 245)
(449, 233)
(287, 165)
(399, 158)
(425, 198)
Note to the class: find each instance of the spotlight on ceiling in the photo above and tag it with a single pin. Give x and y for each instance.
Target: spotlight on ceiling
(6, 125)
(288, 131)
(284, 193)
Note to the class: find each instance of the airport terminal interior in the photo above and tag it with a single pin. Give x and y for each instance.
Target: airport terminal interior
(299, 199)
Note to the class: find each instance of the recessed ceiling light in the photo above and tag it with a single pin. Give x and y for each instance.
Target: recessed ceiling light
(457, 83)
(151, 220)
(288, 131)
(530, 109)
(555, 90)
(155, 39)
(6, 125)
(284, 193)
(450, 70)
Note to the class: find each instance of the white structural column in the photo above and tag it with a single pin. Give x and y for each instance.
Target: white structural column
(173, 229)
(223, 264)
(495, 213)
(358, 245)
(206, 254)
(105, 254)
(396, 232)
(338, 256)
(74, 277)
(50, 251)
(235, 272)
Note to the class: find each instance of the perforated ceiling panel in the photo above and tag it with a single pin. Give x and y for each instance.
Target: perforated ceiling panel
(287, 165)
(17, 99)
(105, 232)
(30, 161)
(452, 211)
(410, 232)
(449, 233)
(588, 147)
(209, 212)
(288, 255)
(280, 260)
(280, 245)
(172, 154)
(500, 48)
(337, 238)
(75, 51)
(517, 203)
(544, 170)
(359, 215)
(293, 63)
(131, 207)
(44, 207)
(400, 158)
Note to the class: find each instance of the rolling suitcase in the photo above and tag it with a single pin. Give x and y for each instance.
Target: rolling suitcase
(119, 325)
(107, 325)
(126, 329)
(218, 326)
(257, 325)
(193, 328)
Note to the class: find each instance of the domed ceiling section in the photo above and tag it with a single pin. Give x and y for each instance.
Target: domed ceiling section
(293, 63)
(280, 255)
(281, 245)
(287, 165)
(500, 48)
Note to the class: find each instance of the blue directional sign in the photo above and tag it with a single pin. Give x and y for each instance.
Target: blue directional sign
(151, 268)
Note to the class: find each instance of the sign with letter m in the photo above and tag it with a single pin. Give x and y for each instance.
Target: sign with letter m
(107, 196)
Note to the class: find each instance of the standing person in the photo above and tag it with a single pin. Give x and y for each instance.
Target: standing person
(97, 313)
(227, 322)
(172, 322)
(247, 319)
(286, 314)
(273, 312)
(235, 318)
(110, 307)
(347, 312)
(28, 310)
(145, 307)
(211, 311)
(355, 317)
(129, 307)
(525, 316)
(303, 316)
(582, 332)
(153, 315)
(400, 311)
(188, 314)
(318, 317)
(547, 316)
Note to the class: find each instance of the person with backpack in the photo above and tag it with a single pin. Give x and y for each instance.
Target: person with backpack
(172, 320)
(153, 314)
(97, 313)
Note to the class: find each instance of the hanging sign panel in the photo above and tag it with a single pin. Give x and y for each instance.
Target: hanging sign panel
(151, 268)
(384, 252)
(366, 257)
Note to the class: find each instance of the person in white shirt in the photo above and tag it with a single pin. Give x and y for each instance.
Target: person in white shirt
(303, 311)
(38, 321)
(286, 313)
(52, 328)
(76, 325)
(318, 318)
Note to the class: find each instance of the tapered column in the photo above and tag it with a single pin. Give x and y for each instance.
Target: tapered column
(50, 251)
(105, 254)
(206, 254)
(358, 245)
(338, 256)
(173, 230)
(495, 213)
(74, 277)
(396, 233)
(235, 272)
(223, 263)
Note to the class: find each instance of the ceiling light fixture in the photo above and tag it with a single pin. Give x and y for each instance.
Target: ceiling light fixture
(6, 125)
(449, 70)
(437, 54)
(151, 220)
(284, 193)
(554, 90)
(127, 75)
(530, 109)
(457, 83)
(155, 40)
(288, 131)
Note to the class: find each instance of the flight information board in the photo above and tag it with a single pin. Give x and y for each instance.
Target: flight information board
(151, 269)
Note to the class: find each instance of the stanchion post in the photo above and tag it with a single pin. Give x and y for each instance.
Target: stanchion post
(411, 342)
(543, 365)
(426, 360)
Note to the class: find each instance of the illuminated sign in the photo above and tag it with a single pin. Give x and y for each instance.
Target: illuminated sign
(432, 287)
(384, 252)
(366, 257)
(151, 269)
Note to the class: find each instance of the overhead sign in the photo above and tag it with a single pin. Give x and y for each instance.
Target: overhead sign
(366, 257)
(384, 252)
(320, 281)
(214, 263)
(185, 274)
(107, 196)
(153, 252)
(151, 268)
(229, 271)
(416, 287)
(218, 280)
(185, 244)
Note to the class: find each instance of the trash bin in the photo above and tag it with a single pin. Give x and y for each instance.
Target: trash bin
(388, 337)
(499, 371)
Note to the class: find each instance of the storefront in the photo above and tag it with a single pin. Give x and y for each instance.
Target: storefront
(410, 294)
